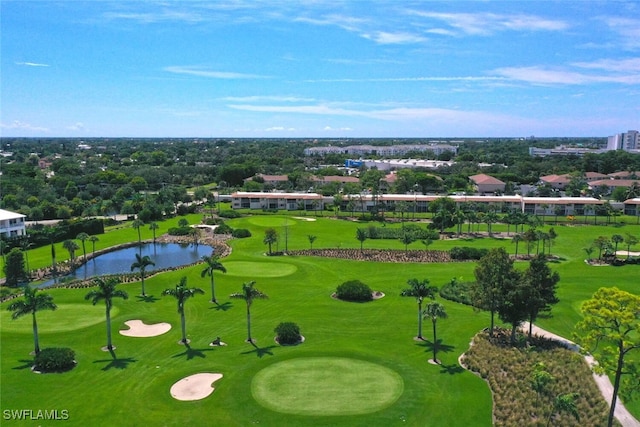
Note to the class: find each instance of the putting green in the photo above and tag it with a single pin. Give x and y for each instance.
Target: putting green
(67, 317)
(269, 221)
(326, 386)
(259, 269)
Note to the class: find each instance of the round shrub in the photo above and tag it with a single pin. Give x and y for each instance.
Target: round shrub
(229, 214)
(56, 359)
(223, 229)
(179, 231)
(354, 290)
(288, 333)
(241, 233)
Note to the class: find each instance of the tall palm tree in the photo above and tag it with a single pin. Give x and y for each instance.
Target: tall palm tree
(153, 227)
(141, 263)
(212, 263)
(181, 293)
(30, 305)
(137, 223)
(93, 240)
(419, 290)
(72, 247)
(248, 294)
(361, 236)
(83, 238)
(106, 291)
(434, 311)
(270, 237)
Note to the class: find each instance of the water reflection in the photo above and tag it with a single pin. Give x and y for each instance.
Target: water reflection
(164, 255)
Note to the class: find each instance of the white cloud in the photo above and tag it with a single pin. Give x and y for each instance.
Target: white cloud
(411, 79)
(165, 15)
(628, 31)
(619, 65)
(489, 23)
(201, 72)
(383, 37)
(541, 75)
(259, 98)
(342, 129)
(279, 129)
(32, 64)
(18, 125)
(76, 126)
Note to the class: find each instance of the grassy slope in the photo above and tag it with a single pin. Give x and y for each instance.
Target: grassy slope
(136, 385)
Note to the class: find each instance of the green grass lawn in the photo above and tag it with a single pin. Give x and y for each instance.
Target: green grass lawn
(134, 387)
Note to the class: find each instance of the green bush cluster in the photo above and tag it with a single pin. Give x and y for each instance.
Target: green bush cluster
(354, 290)
(223, 229)
(179, 231)
(457, 291)
(466, 252)
(229, 214)
(241, 233)
(288, 333)
(55, 359)
(418, 232)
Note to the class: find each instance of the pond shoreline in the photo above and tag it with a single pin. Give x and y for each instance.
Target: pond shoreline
(216, 241)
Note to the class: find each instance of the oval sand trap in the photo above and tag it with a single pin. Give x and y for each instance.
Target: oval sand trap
(326, 386)
(139, 330)
(259, 269)
(194, 387)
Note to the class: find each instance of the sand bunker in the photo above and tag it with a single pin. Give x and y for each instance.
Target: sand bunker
(624, 253)
(194, 387)
(302, 218)
(140, 330)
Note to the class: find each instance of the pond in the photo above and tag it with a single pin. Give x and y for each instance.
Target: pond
(164, 255)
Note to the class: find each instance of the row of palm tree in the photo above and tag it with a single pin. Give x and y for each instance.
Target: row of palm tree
(106, 290)
(420, 289)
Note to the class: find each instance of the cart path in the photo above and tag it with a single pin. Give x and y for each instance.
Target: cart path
(604, 384)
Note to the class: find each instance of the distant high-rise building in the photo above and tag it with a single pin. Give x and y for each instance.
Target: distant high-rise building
(631, 140)
(628, 141)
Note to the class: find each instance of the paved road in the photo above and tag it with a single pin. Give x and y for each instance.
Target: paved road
(604, 384)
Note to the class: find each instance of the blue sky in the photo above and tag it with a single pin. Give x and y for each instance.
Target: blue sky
(319, 68)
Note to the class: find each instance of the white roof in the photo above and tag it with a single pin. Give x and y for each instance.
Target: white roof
(5, 215)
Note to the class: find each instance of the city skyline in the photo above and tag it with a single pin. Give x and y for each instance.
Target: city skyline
(344, 69)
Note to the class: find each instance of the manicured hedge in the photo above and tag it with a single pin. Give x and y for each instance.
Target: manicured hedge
(288, 333)
(466, 253)
(354, 290)
(55, 359)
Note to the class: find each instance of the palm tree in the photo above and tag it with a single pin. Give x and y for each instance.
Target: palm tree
(106, 291)
(617, 238)
(419, 290)
(517, 238)
(93, 240)
(83, 238)
(137, 223)
(630, 240)
(153, 227)
(212, 264)
(248, 294)
(181, 293)
(30, 305)
(25, 245)
(312, 239)
(564, 403)
(270, 237)
(72, 247)
(434, 311)
(142, 262)
(361, 236)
